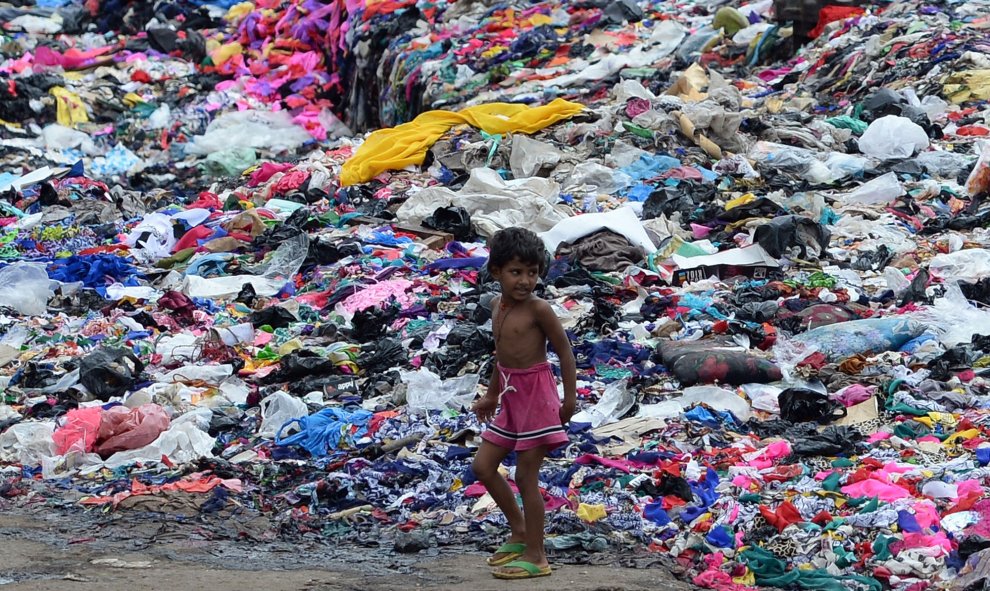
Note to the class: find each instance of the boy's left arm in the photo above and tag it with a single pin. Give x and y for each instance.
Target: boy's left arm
(562, 345)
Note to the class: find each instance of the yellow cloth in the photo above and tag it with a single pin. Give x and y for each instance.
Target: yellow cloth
(969, 85)
(747, 198)
(70, 108)
(591, 513)
(406, 144)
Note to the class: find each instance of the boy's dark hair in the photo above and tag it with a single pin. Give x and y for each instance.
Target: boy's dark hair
(520, 243)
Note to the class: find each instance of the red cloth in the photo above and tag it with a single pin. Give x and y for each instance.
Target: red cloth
(192, 238)
(785, 515)
(832, 13)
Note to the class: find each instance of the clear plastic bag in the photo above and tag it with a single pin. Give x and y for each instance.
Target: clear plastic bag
(969, 265)
(277, 410)
(426, 391)
(882, 189)
(25, 287)
(614, 403)
(27, 443)
(717, 399)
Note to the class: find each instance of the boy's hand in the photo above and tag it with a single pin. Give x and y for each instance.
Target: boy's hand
(566, 412)
(484, 408)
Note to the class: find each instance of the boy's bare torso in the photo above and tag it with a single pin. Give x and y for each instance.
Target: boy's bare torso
(519, 340)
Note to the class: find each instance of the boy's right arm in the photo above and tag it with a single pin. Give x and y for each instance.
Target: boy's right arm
(485, 406)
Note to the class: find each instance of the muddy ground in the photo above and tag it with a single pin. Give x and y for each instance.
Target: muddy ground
(65, 548)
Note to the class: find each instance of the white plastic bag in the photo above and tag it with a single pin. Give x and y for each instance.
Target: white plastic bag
(426, 391)
(882, 189)
(954, 319)
(181, 444)
(892, 137)
(718, 399)
(615, 402)
(27, 443)
(969, 265)
(277, 410)
(25, 287)
(273, 130)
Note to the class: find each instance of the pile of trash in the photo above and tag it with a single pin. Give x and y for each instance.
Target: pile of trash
(775, 276)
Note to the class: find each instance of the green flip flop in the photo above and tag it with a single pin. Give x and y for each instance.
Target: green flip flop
(512, 551)
(527, 570)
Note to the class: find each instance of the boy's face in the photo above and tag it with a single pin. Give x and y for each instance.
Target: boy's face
(518, 279)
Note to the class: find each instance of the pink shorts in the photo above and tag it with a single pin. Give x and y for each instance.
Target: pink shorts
(530, 410)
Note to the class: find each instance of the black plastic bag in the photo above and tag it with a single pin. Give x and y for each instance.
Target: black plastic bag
(787, 233)
(831, 441)
(301, 363)
(382, 356)
(273, 316)
(105, 373)
(453, 219)
(800, 405)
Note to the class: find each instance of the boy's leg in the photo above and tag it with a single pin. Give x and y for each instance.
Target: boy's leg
(485, 467)
(528, 479)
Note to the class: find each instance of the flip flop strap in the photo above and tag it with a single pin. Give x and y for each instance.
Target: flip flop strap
(526, 566)
(511, 547)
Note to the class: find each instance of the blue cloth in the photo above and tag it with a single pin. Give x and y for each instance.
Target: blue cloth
(323, 431)
(655, 513)
(465, 263)
(907, 522)
(720, 537)
(94, 271)
(983, 455)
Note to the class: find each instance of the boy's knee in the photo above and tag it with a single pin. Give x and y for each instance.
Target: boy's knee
(483, 470)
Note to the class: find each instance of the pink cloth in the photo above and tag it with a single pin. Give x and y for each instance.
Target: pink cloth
(874, 488)
(378, 293)
(593, 459)
(530, 410)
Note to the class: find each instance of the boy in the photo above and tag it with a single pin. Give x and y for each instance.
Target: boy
(531, 419)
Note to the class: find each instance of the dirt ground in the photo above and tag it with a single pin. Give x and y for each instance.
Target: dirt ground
(48, 550)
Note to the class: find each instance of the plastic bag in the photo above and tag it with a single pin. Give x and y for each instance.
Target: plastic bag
(801, 405)
(531, 157)
(613, 404)
(426, 391)
(892, 137)
(453, 219)
(791, 160)
(104, 374)
(181, 444)
(718, 399)
(326, 430)
(78, 432)
(942, 164)
(831, 441)
(882, 189)
(969, 265)
(27, 443)
(277, 410)
(979, 179)
(122, 428)
(25, 287)
(954, 318)
(273, 130)
(845, 165)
